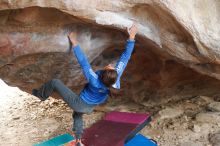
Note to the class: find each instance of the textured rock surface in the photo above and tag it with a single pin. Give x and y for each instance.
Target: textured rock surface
(170, 113)
(208, 117)
(214, 106)
(215, 139)
(190, 144)
(177, 51)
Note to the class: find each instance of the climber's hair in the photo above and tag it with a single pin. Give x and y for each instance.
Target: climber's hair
(109, 77)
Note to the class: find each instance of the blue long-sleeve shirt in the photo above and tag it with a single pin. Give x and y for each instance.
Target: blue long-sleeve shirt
(95, 92)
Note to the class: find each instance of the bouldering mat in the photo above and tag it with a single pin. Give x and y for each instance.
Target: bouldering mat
(115, 129)
(61, 140)
(140, 140)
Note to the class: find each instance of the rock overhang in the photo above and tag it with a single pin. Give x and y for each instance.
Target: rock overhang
(166, 39)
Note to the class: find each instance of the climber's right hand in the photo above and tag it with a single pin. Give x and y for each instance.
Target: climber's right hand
(73, 38)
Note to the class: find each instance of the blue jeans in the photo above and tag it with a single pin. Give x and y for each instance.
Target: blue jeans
(73, 100)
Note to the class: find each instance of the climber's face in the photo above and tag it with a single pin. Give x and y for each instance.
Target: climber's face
(110, 66)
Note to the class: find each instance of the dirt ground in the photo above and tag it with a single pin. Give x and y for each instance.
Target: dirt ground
(192, 121)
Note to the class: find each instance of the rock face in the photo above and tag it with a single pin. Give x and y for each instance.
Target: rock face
(215, 139)
(176, 52)
(170, 113)
(214, 106)
(208, 117)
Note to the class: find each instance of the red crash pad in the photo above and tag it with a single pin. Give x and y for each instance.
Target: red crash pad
(115, 129)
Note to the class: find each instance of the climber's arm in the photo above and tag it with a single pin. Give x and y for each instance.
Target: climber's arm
(90, 75)
(126, 55)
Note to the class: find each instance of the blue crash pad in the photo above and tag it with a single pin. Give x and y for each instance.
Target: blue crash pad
(57, 141)
(140, 140)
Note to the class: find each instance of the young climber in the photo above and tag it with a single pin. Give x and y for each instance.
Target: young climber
(97, 89)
